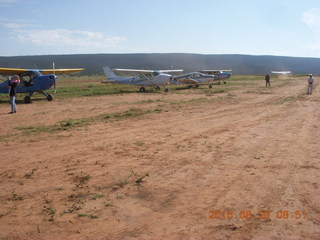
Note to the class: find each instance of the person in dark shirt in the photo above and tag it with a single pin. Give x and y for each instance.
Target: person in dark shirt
(267, 78)
(12, 93)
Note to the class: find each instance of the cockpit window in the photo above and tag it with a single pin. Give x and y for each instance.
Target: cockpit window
(27, 80)
(195, 75)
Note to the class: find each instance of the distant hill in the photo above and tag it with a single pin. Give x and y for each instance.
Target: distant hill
(240, 64)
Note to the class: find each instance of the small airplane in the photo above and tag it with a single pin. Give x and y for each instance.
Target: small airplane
(282, 72)
(219, 74)
(195, 78)
(34, 80)
(141, 78)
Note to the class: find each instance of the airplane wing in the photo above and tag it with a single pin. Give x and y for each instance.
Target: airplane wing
(145, 71)
(60, 71)
(215, 71)
(170, 71)
(12, 71)
(133, 70)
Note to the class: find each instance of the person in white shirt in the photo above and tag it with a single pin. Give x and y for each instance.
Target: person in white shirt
(310, 84)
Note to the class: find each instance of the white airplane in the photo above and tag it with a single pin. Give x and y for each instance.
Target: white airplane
(195, 78)
(219, 74)
(282, 72)
(141, 78)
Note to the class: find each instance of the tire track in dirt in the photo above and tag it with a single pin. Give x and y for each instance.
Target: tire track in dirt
(204, 135)
(214, 131)
(275, 194)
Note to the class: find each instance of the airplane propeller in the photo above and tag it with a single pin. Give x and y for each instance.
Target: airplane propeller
(55, 78)
(55, 85)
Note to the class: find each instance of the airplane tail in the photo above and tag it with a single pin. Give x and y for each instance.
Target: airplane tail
(110, 74)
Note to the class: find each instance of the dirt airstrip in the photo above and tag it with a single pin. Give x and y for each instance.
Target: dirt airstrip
(190, 164)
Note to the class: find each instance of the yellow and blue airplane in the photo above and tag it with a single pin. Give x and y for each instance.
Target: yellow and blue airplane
(33, 80)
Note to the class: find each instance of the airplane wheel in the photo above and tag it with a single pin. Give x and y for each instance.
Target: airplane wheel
(27, 99)
(210, 86)
(142, 89)
(49, 97)
(225, 82)
(197, 85)
(166, 90)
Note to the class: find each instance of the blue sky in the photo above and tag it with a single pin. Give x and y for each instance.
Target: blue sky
(255, 27)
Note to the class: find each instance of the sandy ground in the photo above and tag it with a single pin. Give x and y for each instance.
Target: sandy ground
(192, 165)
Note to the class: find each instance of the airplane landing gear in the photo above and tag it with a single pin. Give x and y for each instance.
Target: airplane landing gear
(27, 99)
(49, 97)
(166, 90)
(142, 89)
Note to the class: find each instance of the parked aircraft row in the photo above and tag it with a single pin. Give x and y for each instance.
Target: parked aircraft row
(156, 78)
(36, 80)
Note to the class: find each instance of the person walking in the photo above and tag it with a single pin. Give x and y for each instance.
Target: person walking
(310, 84)
(12, 93)
(267, 78)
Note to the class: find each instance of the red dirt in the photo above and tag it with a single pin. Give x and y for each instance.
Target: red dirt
(246, 153)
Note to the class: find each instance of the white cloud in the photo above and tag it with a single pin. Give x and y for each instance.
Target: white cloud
(29, 34)
(67, 38)
(312, 19)
(14, 24)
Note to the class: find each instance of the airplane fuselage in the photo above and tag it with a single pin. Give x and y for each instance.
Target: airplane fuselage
(223, 75)
(193, 78)
(36, 84)
(159, 80)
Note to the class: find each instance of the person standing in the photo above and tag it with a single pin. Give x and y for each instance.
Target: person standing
(267, 78)
(310, 84)
(12, 93)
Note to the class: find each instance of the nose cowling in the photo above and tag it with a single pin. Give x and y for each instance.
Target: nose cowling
(53, 78)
